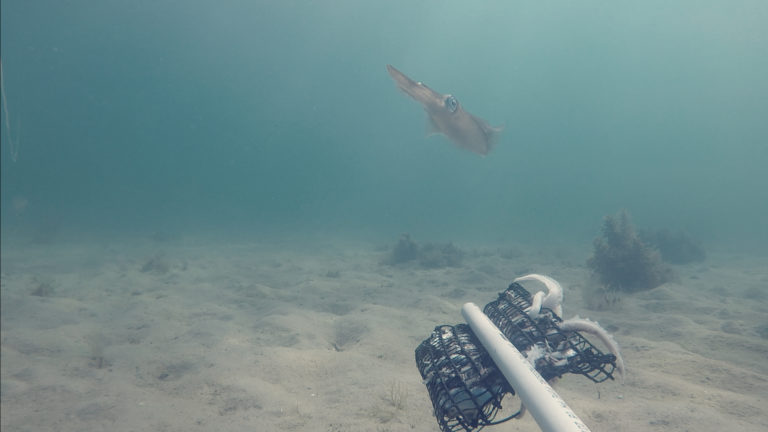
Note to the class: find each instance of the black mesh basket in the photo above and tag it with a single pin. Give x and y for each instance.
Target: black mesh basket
(558, 352)
(465, 387)
(464, 384)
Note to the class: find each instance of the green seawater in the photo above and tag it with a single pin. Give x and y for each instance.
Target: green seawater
(270, 118)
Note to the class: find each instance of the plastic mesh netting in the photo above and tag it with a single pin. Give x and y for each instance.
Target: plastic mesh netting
(464, 384)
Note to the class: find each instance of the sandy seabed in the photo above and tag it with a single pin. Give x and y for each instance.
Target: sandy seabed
(184, 336)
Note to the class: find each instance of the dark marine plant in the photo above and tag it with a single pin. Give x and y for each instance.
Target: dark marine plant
(622, 261)
(675, 247)
(428, 256)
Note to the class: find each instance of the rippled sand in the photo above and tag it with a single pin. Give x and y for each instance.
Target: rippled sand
(194, 336)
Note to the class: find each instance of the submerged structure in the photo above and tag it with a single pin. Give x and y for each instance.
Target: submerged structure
(467, 384)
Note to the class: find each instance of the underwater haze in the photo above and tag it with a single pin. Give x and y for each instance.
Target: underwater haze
(272, 118)
(233, 215)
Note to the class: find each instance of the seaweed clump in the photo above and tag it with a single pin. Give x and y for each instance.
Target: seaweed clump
(675, 247)
(156, 264)
(427, 256)
(405, 250)
(43, 287)
(622, 261)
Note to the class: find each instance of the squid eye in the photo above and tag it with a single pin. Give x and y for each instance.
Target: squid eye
(451, 103)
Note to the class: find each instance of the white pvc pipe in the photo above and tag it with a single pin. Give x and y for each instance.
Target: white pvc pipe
(547, 407)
